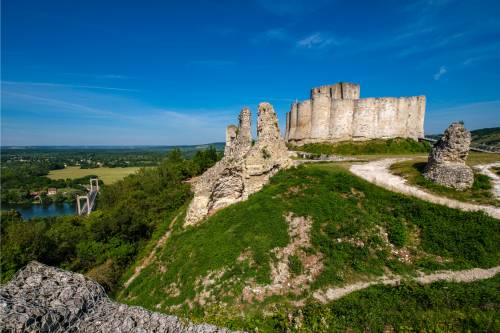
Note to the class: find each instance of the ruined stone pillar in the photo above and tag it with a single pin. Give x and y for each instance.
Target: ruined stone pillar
(243, 141)
(287, 128)
(267, 124)
(320, 113)
(231, 132)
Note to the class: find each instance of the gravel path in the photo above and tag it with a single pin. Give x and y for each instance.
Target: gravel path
(485, 169)
(377, 172)
(470, 275)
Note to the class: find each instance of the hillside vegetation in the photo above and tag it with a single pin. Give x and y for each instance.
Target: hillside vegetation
(254, 263)
(105, 243)
(396, 146)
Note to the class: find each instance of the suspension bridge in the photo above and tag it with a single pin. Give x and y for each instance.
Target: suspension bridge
(89, 199)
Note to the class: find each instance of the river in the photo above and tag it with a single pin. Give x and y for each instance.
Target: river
(31, 211)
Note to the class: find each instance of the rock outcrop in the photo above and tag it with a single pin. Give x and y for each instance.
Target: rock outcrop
(336, 113)
(446, 165)
(244, 169)
(41, 298)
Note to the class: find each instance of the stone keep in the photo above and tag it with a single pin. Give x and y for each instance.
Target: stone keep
(337, 113)
(446, 165)
(244, 169)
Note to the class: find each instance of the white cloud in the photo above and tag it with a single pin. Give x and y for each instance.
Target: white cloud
(317, 40)
(51, 84)
(442, 70)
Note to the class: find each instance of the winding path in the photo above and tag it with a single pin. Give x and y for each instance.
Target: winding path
(377, 172)
(147, 260)
(485, 169)
(470, 275)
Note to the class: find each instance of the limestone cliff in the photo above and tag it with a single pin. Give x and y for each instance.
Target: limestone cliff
(244, 169)
(337, 113)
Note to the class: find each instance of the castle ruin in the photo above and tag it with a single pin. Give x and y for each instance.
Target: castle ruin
(337, 113)
(245, 168)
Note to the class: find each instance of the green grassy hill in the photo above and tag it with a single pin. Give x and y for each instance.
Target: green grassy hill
(257, 264)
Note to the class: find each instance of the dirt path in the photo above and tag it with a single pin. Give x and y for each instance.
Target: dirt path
(485, 169)
(330, 294)
(377, 172)
(146, 261)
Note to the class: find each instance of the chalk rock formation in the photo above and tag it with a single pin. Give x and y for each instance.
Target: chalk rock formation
(47, 299)
(337, 113)
(446, 165)
(244, 169)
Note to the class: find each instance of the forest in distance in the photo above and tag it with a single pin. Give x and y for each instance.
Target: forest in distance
(103, 244)
(24, 169)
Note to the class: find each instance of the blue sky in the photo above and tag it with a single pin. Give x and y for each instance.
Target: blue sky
(177, 72)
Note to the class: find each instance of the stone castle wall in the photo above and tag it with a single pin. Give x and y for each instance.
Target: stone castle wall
(337, 113)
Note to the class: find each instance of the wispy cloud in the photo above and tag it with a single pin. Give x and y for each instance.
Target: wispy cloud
(53, 112)
(98, 76)
(314, 41)
(317, 40)
(51, 84)
(441, 71)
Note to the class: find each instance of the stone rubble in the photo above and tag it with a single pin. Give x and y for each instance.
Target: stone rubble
(41, 298)
(245, 167)
(446, 165)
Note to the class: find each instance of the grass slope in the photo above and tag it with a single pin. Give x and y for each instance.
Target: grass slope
(479, 193)
(201, 271)
(396, 146)
(107, 175)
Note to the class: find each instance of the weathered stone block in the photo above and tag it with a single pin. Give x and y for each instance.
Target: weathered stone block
(446, 165)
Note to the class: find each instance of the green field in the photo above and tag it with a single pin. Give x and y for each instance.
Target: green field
(107, 175)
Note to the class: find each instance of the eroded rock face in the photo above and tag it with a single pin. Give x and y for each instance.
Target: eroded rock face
(446, 164)
(244, 168)
(47, 299)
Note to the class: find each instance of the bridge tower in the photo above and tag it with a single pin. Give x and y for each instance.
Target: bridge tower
(89, 198)
(92, 181)
(85, 205)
